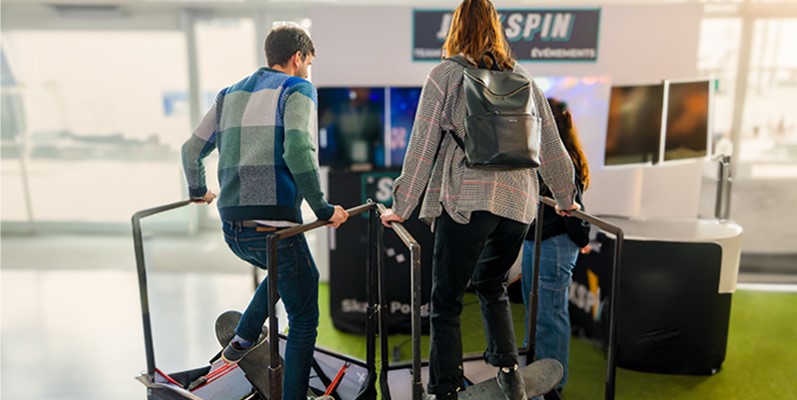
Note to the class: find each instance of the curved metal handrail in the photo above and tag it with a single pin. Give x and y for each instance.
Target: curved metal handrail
(275, 371)
(611, 365)
(274, 367)
(138, 244)
(295, 230)
(415, 284)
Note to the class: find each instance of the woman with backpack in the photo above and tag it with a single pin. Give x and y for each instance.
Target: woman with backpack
(479, 215)
(562, 237)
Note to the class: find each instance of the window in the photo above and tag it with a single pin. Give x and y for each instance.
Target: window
(769, 129)
(100, 117)
(718, 56)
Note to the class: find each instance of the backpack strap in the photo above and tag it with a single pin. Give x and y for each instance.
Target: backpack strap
(490, 54)
(454, 136)
(461, 61)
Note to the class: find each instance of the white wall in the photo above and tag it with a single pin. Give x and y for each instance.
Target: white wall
(637, 44)
(373, 46)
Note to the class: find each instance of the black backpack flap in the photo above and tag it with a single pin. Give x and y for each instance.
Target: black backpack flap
(496, 92)
(502, 141)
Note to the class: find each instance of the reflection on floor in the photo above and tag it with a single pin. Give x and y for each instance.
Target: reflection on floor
(71, 314)
(71, 318)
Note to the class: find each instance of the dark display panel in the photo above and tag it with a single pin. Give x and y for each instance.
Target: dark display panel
(633, 132)
(686, 131)
(351, 126)
(403, 104)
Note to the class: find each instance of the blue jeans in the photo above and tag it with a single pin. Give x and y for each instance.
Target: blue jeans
(557, 258)
(481, 252)
(297, 284)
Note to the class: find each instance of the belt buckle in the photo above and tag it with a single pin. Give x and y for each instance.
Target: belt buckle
(263, 228)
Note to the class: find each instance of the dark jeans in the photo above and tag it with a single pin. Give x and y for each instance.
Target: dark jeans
(482, 251)
(297, 284)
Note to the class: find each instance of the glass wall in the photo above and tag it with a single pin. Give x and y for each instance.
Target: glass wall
(97, 116)
(769, 130)
(720, 39)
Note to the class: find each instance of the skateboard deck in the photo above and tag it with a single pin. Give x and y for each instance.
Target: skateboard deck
(540, 377)
(255, 364)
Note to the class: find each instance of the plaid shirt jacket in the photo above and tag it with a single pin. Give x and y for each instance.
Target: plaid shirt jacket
(449, 184)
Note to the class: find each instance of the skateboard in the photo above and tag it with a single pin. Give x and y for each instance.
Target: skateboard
(255, 364)
(540, 377)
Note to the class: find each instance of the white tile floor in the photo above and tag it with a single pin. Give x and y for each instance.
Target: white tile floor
(71, 315)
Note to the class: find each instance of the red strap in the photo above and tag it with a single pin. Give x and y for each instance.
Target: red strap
(336, 381)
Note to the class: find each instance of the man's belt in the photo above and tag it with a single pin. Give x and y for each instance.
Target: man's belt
(258, 227)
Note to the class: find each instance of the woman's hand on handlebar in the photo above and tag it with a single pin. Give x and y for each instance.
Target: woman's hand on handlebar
(390, 216)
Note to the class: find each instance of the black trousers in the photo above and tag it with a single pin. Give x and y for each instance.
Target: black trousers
(482, 252)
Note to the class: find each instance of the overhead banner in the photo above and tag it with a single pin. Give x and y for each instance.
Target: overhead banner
(533, 34)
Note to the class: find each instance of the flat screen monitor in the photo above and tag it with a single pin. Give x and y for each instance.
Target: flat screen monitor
(403, 104)
(351, 126)
(686, 129)
(633, 131)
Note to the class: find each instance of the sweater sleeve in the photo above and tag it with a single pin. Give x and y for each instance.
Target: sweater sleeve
(424, 144)
(300, 147)
(556, 167)
(201, 143)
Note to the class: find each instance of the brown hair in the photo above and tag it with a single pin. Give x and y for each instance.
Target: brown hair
(284, 41)
(476, 29)
(569, 136)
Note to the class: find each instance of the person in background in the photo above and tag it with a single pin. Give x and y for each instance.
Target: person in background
(264, 128)
(562, 237)
(479, 216)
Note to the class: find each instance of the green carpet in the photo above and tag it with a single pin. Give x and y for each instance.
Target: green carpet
(761, 354)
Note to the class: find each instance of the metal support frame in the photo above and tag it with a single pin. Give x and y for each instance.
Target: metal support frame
(376, 297)
(531, 320)
(611, 366)
(722, 206)
(138, 244)
(415, 279)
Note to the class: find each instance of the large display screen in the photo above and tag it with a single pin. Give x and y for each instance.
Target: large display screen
(633, 131)
(403, 103)
(686, 131)
(351, 126)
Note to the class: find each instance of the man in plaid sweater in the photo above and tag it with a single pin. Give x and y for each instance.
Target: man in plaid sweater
(264, 128)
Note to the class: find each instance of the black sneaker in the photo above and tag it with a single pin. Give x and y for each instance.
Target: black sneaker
(233, 352)
(511, 382)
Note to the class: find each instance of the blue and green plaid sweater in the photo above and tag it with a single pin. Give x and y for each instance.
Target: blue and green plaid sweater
(264, 128)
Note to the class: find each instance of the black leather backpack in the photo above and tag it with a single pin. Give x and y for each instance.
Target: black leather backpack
(502, 126)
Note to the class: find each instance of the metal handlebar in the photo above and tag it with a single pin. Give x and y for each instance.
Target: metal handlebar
(274, 368)
(295, 230)
(138, 244)
(415, 283)
(611, 366)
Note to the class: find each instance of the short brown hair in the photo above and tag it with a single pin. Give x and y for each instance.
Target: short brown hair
(284, 41)
(476, 29)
